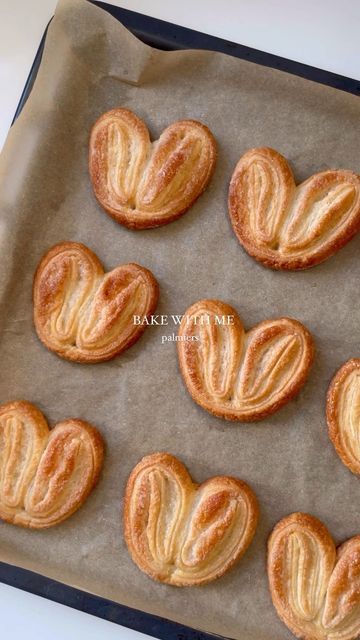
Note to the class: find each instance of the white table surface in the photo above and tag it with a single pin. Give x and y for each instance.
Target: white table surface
(322, 33)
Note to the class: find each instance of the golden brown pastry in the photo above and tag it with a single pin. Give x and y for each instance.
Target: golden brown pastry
(343, 413)
(45, 475)
(237, 375)
(144, 184)
(183, 533)
(84, 314)
(313, 585)
(285, 226)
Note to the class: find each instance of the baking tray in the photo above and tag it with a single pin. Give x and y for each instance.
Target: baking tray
(166, 36)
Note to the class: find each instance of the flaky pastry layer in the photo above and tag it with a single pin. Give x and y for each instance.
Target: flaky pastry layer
(144, 184)
(285, 226)
(238, 375)
(314, 586)
(84, 314)
(45, 475)
(183, 533)
(343, 413)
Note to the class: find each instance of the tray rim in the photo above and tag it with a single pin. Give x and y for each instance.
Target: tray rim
(167, 36)
(135, 619)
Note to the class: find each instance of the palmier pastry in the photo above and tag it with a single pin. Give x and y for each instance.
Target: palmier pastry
(285, 226)
(343, 413)
(183, 533)
(84, 314)
(143, 184)
(237, 375)
(313, 585)
(45, 475)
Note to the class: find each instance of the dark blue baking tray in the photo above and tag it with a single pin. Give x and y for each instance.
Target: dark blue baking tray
(166, 36)
(96, 606)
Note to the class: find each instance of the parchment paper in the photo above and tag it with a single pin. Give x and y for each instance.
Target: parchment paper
(138, 401)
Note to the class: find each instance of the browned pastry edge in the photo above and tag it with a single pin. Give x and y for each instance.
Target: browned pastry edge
(332, 412)
(269, 257)
(76, 355)
(132, 218)
(274, 558)
(38, 420)
(181, 472)
(325, 580)
(198, 394)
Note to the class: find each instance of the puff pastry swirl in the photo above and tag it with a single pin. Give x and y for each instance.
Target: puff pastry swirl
(45, 475)
(313, 585)
(285, 226)
(343, 413)
(237, 375)
(183, 533)
(84, 314)
(143, 184)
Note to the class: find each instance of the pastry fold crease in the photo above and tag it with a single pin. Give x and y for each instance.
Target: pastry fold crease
(45, 475)
(285, 226)
(183, 533)
(143, 184)
(315, 587)
(84, 314)
(241, 375)
(343, 413)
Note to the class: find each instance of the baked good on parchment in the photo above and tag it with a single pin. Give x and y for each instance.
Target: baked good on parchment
(241, 375)
(343, 413)
(285, 226)
(182, 533)
(45, 475)
(84, 314)
(314, 586)
(144, 184)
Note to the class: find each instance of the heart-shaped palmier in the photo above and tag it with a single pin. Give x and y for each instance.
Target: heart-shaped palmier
(287, 226)
(343, 413)
(183, 533)
(45, 475)
(237, 375)
(314, 586)
(143, 184)
(84, 314)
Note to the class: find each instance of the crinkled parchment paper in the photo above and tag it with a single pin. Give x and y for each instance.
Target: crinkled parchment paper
(138, 401)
